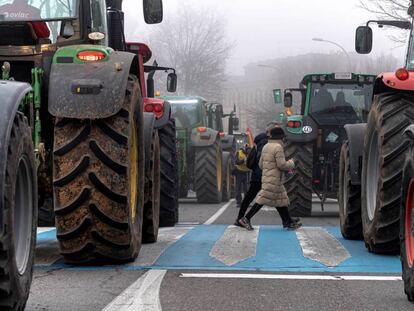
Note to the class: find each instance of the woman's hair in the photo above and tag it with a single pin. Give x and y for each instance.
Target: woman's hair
(277, 133)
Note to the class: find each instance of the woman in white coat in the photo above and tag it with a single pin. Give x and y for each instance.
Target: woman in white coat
(273, 192)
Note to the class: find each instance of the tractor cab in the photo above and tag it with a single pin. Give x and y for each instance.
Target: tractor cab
(327, 100)
(189, 112)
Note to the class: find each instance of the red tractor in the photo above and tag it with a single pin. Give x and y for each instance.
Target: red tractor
(376, 191)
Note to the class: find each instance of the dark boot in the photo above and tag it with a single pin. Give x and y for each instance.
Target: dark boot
(286, 219)
(253, 211)
(293, 226)
(245, 223)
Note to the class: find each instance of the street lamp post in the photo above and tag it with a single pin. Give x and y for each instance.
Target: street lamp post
(337, 45)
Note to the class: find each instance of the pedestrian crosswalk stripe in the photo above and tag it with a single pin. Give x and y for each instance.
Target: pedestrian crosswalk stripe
(235, 245)
(319, 245)
(210, 247)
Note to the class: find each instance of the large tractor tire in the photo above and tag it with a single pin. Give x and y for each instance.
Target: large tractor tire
(99, 179)
(349, 199)
(407, 226)
(299, 184)
(18, 239)
(227, 177)
(384, 154)
(169, 176)
(152, 189)
(209, 173)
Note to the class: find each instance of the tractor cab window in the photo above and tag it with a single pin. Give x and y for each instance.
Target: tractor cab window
(410, 58)
(37, 10)
(340, 103)
(186, 115)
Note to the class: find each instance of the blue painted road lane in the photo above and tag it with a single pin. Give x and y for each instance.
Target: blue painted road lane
(277, 250)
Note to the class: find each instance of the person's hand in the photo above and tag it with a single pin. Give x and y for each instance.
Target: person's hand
(292, 162)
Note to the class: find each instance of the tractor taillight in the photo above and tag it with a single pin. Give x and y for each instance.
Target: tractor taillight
(202, 129)
(294, 124)
(149, 108)
(91, 56)
(158, 108)
(402, 74)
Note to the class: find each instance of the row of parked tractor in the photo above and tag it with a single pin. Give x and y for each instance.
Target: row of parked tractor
(87, 147)
(352, 138)
(205, 150)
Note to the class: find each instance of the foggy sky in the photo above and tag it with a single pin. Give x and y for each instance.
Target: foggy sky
(268, 29)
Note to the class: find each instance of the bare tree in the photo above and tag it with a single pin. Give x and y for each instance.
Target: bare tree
(195, 43)
(389, 9)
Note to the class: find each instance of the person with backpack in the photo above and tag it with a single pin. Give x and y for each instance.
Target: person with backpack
(270, 157)
(241, 173)
(252, 163)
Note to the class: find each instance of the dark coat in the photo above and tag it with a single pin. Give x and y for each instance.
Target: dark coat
(260, 141)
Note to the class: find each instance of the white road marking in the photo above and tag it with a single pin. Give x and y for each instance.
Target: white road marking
(319, 245)
(218, 213)
(143, 295)
(151, 252)
(44, 229)
(236, 244)
(291, 277)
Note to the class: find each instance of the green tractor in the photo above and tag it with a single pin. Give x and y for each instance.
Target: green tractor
(200, 151)
(74, 133)
(215, 116)
(326, 102)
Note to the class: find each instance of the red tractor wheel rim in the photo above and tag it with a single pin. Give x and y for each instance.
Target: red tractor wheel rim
(409, 229)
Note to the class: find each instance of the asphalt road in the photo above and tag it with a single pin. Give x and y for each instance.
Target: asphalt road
(205, 264)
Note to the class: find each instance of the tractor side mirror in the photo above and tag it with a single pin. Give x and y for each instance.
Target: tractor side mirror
(288, 101)
(172, 82)
(153, 11)
(236, 124)
(363, 40)
(277, 96)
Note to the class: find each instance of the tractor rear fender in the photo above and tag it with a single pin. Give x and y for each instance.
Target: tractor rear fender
(204, 139)
(11, 95)
(149, 122)
(91, 90)
(307, 133)
(388, 82)
(161, 119)
(228, 143)
(355, 136)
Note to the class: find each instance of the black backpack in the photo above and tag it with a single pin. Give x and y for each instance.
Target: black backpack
(251, 158)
